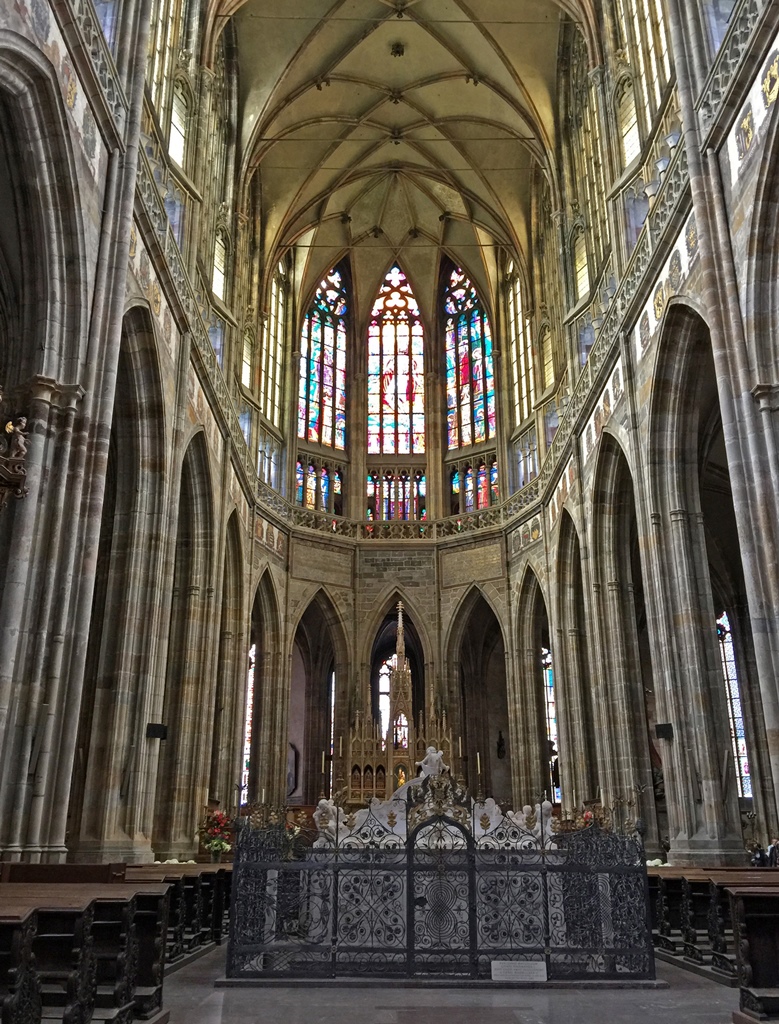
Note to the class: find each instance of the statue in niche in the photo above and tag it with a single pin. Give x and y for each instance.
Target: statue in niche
(19, 435)
(432, 763)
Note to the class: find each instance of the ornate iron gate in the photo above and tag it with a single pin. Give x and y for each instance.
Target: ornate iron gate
(439, 902)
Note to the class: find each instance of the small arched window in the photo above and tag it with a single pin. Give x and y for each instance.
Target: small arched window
(627, 120)
(219, 272)
(179, 121)
(581, 269)
(273, 350)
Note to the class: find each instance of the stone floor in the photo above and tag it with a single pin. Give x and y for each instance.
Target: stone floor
(192, 999)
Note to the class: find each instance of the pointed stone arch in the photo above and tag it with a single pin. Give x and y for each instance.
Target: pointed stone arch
(384, 607)
(268, 718)
(629, 756)
(185, 758)
(532, 768)
(477, 674)
(109, 814)
(573, 675)
(693, 514)
(52, 277)
(230, 696)
(319, 659)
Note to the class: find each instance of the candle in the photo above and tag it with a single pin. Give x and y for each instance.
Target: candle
(460, 746)
(263, 796)
(323, 762)
(478, 763)
(340, 746)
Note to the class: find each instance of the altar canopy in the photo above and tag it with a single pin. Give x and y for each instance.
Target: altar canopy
(436, 886)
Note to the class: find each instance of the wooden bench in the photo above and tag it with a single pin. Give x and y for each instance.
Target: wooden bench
(200, 904)
(20, 991)
(692, 914)
(98, 950)
(755, 915)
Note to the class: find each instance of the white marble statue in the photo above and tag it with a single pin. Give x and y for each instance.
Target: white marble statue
(432, 763)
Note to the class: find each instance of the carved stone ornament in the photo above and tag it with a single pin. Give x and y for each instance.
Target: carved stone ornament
(13, 455)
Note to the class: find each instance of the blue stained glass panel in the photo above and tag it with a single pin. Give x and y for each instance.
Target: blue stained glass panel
(322, 388)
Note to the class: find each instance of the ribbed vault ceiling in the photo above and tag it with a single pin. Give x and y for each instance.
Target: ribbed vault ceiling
(396, 137)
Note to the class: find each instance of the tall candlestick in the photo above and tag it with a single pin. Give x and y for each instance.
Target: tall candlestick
(478, 763)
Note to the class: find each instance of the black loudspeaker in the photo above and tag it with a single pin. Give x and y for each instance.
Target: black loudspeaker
(664, 731)
(156, 731)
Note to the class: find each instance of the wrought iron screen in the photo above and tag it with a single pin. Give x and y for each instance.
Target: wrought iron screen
(438, 901)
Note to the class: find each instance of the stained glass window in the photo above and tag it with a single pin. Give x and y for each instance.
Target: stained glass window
(299, 482)
(483, 494)
(551, 724)
(396, 371)
(322, 388)
(470, 378)
(324, 490)
(338, 501)
(469, 495)
(494, 488)
(420, 496)
(735, 709)
(311, 487)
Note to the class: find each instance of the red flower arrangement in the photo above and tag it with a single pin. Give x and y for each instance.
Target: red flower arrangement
(216, 832)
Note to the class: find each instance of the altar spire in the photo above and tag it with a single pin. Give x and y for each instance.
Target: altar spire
(400, 643)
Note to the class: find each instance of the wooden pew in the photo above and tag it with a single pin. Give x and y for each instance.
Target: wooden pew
(99, 949)
(693, 915)
(755, 915)
(20, 990)
(95, 874)
(200, 905)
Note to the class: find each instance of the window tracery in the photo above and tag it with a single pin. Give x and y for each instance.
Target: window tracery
(272, 362)
(319, 485)
(394, 493)
(470, 378)
(474, 486)
(396, 380)
(735, 709)
(522, 364)
(322, 380)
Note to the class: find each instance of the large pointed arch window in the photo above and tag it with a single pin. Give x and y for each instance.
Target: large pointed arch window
(396, 372)
(470, 377)
(322, 386)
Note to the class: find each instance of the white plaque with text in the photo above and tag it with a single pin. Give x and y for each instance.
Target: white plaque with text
(519, 970)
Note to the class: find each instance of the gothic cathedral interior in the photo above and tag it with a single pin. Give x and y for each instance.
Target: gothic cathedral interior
(379, 374)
